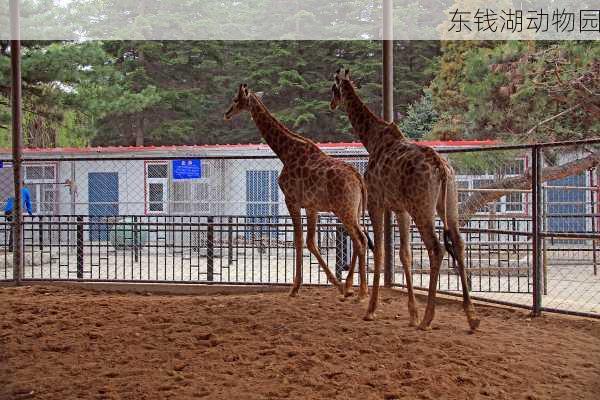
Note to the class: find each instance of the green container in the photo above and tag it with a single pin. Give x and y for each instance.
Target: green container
(122, 235)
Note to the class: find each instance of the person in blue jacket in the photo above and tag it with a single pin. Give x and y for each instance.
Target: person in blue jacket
(9, 207)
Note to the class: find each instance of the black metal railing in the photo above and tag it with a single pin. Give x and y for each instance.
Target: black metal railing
(542, 258)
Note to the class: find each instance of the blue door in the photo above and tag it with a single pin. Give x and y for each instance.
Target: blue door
(564, 205)
(262, 200)
(103, 198)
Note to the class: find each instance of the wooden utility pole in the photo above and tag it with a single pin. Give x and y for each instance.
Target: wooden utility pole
(17, 139)
(388, 115)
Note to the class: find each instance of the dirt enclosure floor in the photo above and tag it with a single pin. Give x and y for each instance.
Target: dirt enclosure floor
(71, 343)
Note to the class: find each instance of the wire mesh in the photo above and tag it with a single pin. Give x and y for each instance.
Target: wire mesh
(223, 219)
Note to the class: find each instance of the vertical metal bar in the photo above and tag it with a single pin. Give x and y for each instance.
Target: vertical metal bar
(17, 139)
(40, 233)
(543, 222)
(136, 240)
(209, 249)
(230, 241)
(79, 247)
(388, 115)
(593, 212)
(340, 258)
(536, 225)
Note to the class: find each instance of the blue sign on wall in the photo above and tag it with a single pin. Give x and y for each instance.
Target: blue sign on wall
(187, 169)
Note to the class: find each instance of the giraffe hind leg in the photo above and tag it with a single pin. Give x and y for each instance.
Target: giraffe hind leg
(311, 243)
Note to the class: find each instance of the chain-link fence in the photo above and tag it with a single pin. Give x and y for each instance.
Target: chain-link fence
(222, 219)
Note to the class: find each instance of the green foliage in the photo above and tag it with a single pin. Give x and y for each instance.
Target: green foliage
(504, 89)
(420, 118)
(482, 163)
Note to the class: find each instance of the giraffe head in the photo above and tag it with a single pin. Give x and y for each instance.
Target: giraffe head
(340, 77)
(241, 101)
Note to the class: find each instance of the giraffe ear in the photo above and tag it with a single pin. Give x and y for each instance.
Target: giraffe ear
(347, 73)
(259, 95)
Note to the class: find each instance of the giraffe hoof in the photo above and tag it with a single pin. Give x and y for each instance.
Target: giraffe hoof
(414, 317)
(293, 293)
(369, 317)
(348, 292)
(362, 297)
(474, 324)
(424, 327)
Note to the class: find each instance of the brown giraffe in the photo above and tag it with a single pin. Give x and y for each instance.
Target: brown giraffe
(312, 180)
(412, 181)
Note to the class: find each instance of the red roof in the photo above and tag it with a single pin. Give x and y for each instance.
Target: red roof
(257, 146)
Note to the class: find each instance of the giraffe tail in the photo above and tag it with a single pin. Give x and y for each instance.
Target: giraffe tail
(449, 245)
(363, 202)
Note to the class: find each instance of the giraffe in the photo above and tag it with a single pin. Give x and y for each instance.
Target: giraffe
(315, 181)
(412, 181)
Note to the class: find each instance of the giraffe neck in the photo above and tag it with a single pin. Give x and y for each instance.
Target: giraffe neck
(285, 143)
(369, 127)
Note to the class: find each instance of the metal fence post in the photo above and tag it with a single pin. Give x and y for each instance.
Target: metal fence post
(136, 240)
(594, 210)
(536, 184)
(40, 233)
(79, 247)
(543, 223)
(210, 249)
(230, 241)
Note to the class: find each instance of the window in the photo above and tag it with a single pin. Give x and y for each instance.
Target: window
(201, 197)
(157, 170)
(514, 202)
(156, 197)
(181, 197)
(190, 196)
(480, 183)
(41, 182)
(462, 195)
(516, 167)
(156, 187)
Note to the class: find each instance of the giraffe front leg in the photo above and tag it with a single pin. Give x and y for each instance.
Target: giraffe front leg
(349, 286)
(376, 214)
(298, 243)
(403, 220)
(436, 253)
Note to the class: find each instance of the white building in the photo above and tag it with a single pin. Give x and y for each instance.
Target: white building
(219, 180)
(210, 180)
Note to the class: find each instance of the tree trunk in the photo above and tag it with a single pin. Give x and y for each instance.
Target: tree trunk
(139, 133)
(479, 199)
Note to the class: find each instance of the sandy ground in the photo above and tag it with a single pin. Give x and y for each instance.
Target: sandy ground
(64, 343)
(569, 287)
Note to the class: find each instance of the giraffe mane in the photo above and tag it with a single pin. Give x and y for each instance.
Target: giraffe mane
(377, 117)
(391, 126)
(285, 128)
